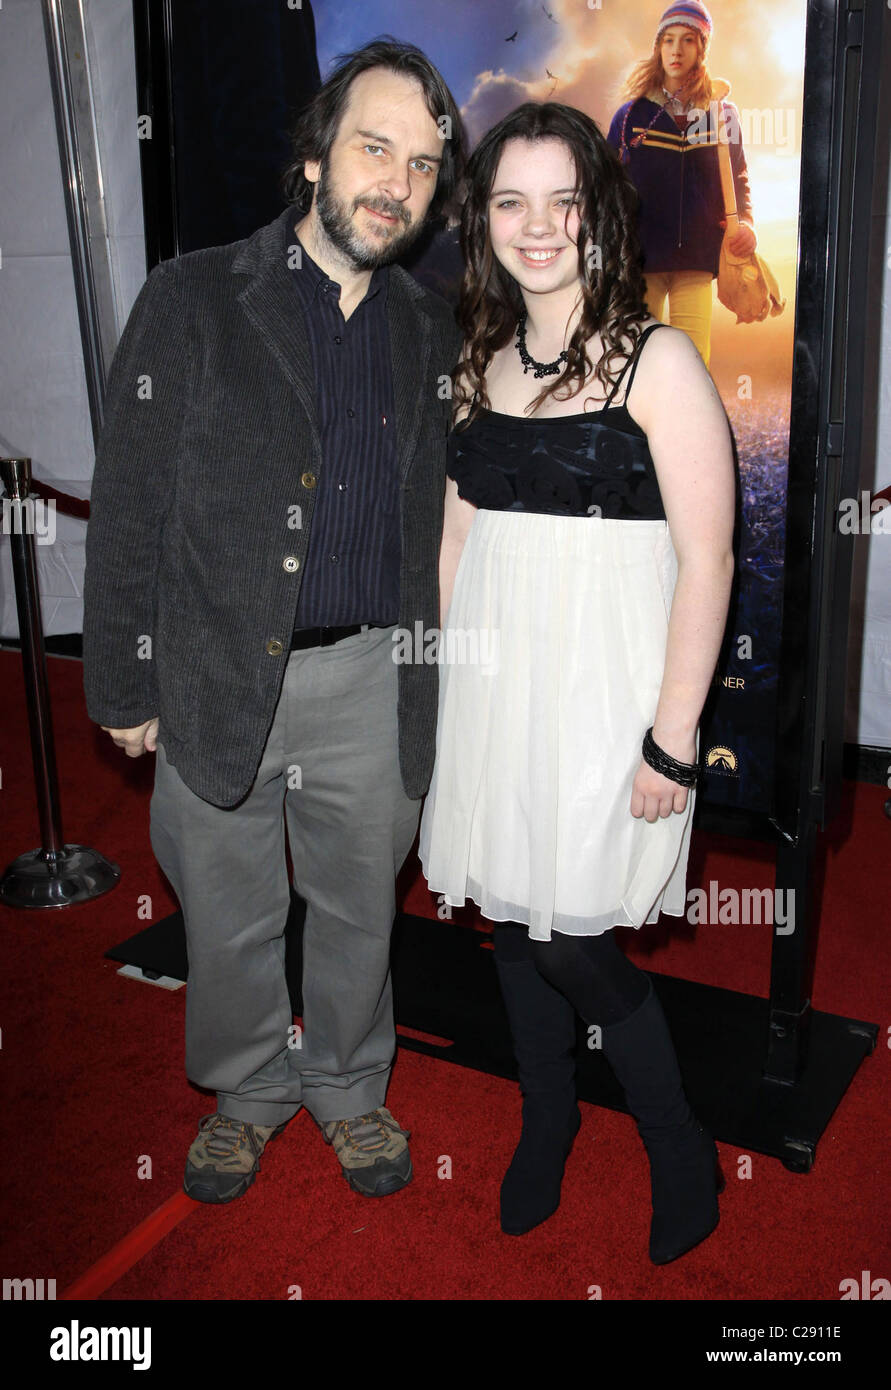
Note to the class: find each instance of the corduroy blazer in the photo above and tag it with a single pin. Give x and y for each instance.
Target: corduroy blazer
(202, 502)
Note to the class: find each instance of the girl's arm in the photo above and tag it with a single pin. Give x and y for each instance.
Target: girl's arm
(739, 168)
(457, 518)
(675, 401)
(746, 238)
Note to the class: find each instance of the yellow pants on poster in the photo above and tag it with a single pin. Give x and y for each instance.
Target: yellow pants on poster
(689, 295)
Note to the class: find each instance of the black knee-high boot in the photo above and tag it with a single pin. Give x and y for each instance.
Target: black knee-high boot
(685, 1175)
(543, 1030)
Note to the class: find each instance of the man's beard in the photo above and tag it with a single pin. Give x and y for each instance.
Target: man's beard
(341, 230)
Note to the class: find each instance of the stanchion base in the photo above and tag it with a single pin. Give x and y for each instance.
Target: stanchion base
(74, 875)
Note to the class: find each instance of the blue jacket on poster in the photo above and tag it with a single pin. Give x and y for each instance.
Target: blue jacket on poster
(678, 180)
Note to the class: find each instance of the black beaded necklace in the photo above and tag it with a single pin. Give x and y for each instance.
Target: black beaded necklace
(541, 368)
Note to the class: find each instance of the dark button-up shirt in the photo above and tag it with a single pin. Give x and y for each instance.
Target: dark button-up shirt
(352, 567)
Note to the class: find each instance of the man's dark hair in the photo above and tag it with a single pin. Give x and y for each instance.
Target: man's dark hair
(319, 120)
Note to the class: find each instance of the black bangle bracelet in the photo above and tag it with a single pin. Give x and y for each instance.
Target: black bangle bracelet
(686, 774)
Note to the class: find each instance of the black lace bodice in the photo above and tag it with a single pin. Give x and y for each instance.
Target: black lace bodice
(596, 463)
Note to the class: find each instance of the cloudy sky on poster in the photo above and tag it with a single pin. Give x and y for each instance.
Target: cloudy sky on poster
(757, 46)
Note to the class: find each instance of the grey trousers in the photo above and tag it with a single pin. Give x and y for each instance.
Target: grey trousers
(331, 759)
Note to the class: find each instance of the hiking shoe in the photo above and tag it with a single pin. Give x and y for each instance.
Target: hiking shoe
(373, 1152)
(225, 1157)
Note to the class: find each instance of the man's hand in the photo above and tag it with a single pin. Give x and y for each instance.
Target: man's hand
(142, 739)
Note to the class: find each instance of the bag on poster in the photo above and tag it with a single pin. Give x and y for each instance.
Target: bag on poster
(746, 284)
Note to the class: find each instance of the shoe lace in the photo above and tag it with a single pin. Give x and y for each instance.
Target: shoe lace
(366, 1132)
(226, 1136)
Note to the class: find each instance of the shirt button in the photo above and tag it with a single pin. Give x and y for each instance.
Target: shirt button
(351, 413)
(290, 563)
(308, 479)
(342, 487)
(337, 337)
(335, 559)
(274, 647)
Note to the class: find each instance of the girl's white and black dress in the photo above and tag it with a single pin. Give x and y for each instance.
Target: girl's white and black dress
(552, 658)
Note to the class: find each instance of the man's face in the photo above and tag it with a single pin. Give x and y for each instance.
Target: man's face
(374, 190)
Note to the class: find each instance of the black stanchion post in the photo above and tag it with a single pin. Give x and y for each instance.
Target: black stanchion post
(56, 874)
(792, 960)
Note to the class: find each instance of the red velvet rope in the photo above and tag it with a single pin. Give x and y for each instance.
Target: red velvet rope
(65, 503)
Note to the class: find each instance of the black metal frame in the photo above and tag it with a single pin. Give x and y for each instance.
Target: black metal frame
(153, 33)
(841, 107)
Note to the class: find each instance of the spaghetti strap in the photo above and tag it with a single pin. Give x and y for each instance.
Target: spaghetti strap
(643, 338)
(632, 363)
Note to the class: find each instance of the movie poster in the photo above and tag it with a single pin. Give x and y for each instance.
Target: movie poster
(582, 52)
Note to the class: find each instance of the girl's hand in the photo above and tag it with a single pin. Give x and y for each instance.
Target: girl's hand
(654, 796)
(745, 241)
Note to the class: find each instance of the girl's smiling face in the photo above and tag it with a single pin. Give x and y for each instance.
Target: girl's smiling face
(534, 214)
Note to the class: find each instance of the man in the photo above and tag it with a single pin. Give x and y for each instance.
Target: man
(265, 518)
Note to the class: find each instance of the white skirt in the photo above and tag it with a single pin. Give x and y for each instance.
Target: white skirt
(552, 658)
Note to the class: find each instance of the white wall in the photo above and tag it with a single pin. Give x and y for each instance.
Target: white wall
(44, 412)
(868, 711)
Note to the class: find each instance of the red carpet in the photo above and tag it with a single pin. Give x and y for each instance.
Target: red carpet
(99, 1114)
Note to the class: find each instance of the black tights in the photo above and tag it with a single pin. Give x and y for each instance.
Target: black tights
(600, 982)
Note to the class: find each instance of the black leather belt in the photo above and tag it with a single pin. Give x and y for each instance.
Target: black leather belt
(325, 636)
